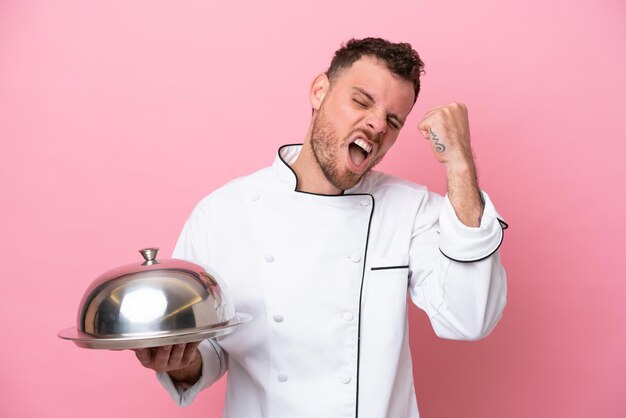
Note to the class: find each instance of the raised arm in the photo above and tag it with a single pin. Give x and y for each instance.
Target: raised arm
(456, 274)
(447, 128)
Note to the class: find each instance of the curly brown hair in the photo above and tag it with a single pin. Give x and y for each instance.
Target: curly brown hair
(400, 58)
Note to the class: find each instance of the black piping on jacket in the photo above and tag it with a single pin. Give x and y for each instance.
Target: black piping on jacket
(369, 226)
(503, 225)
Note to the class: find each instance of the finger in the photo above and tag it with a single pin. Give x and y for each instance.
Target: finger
(176, 355)
(190, 353)
(143, 355)
(424, 128)
(162, 357)
(433, 111)
(426, 124)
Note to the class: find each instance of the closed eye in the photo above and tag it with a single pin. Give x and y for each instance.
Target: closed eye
(393, 124)
(359, 103)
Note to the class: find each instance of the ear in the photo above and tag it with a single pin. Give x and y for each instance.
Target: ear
(319, 88)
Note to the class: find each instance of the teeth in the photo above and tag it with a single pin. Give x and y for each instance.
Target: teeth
(361, 143)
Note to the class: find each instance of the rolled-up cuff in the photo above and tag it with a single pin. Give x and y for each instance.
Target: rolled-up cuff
(213, 364)
(465, 244)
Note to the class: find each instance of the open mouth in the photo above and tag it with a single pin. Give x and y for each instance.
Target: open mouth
(359, 151)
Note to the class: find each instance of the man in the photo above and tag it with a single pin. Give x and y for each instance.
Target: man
(320, 250)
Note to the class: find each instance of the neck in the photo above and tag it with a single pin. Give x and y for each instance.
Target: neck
(311, 178)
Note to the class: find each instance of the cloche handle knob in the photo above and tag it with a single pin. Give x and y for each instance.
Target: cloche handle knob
(149, 254)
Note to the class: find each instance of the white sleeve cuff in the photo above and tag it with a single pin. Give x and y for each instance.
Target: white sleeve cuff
(465, 244)
(213, 366)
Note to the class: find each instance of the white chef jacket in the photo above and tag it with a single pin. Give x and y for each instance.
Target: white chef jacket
(325, 279)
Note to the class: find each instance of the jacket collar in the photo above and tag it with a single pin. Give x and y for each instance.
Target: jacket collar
(285, 157)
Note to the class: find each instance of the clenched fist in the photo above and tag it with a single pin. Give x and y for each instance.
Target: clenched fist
(447, 128)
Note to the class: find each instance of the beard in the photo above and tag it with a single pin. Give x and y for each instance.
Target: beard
(326, 147)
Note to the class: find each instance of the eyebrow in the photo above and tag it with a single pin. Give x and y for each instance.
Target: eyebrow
(369, 96)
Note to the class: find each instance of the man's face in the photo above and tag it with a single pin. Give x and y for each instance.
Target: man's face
(358, 120)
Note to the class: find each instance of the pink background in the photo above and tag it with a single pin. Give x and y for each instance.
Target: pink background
(117, 117)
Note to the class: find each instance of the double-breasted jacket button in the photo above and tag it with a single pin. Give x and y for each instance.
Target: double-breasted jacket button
(355, 257)
(278, 318)
(269, 258)
(282, 378)
(347, 316)
(345, 379)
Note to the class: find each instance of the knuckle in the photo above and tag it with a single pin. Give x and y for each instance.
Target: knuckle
(146, 363)
(160, 365)
(162, 358)
(173, 361)
(190, 357)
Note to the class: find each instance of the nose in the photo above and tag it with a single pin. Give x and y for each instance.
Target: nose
(377, 123)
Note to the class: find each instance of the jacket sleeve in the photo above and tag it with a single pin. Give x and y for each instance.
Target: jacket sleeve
(214, 364)
(456, 274)
(192, 246)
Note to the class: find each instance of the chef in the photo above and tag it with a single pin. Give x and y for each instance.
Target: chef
(322, 251)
